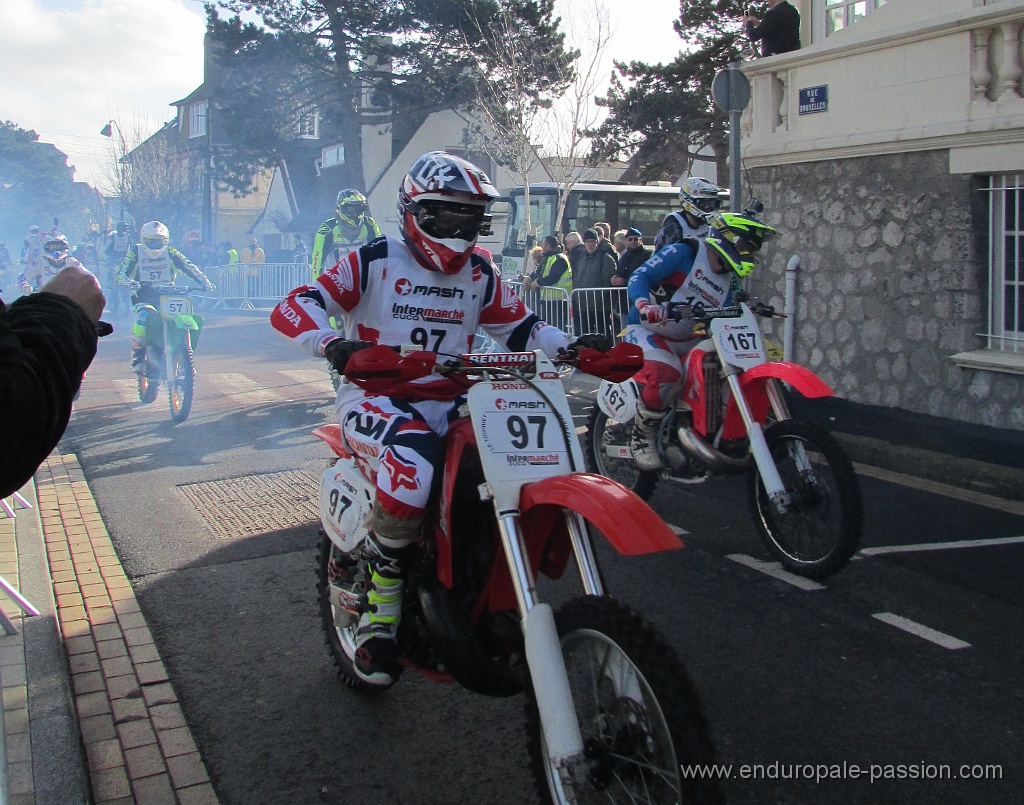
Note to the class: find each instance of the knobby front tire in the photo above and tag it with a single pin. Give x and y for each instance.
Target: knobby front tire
(822, 529)
(148, 388)
(181, 386)
(645, 736)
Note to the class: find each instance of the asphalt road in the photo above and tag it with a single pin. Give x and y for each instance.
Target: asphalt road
(797, 682)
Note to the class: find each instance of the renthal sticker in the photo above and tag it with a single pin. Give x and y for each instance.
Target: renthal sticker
(501, 359)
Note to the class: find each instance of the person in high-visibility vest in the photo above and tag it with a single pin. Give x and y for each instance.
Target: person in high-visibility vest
(554, 272)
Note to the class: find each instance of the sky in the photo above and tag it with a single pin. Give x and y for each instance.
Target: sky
(69, 66)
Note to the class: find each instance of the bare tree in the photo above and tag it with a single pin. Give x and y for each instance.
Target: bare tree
(506, 118)
(565, 127)
(152, 175)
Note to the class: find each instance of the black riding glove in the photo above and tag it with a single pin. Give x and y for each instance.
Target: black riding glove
(340, 350)
(598, 341)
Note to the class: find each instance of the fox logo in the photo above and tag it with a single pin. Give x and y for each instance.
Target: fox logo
(402, 475)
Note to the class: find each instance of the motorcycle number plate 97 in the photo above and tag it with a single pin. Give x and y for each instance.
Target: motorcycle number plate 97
(171, 305)
(520, 437)
(739, 341)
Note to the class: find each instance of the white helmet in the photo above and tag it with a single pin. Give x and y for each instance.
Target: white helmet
(154, 237)
(700, 198)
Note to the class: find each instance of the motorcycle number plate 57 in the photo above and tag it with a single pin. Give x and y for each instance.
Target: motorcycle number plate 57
(739, 341)
(171, 305)
(520, 437)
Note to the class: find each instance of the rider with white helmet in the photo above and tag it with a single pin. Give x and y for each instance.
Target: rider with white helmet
(149, 264)
(699, 199)
(53, 259)
(429, 289)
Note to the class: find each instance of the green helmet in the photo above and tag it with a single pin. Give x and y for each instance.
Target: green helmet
(351, 207)
(737, 238)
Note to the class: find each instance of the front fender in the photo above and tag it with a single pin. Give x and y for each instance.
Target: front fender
(630, 525)
(799, 377)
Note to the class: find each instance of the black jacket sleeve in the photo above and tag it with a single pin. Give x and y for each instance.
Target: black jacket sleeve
(46, 343)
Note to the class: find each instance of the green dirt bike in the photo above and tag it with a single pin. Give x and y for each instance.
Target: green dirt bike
(171, 337)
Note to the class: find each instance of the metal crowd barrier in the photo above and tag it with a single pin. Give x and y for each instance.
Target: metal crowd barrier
(272, 283)
(585, 310)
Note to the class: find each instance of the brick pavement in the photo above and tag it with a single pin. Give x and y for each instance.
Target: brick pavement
(137, 744)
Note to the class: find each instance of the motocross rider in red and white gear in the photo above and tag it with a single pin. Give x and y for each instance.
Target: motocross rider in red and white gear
(53, 259)
(700, 270)
(429, 290)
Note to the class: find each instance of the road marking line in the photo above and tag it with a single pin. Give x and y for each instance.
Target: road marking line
(942, 546)
(907, 625)
(314, 377)
(127, 390)
(955, 492)
(240, 388)
(774, 569)
(678, 531)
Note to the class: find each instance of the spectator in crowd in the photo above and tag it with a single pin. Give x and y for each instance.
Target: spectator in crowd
(253, 257)
(632, 258)
(595, 269)
(779, 31)
(230, 254)
(619, 242)
(47, 340)
(300, 254)
(604, 242)
(554, 273)
(574, 249)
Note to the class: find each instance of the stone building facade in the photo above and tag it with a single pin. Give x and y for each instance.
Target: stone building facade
(891, 284)
(901, 194)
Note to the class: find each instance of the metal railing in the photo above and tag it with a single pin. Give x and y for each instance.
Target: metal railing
(240, 287)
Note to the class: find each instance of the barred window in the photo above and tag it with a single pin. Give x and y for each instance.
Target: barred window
(1006, 263)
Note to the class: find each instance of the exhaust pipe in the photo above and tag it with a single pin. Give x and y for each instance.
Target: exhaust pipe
(716, 461)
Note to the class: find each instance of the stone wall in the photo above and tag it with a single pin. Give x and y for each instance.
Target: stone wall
(893, 280)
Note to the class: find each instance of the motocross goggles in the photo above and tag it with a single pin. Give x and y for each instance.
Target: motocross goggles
(154, 243)
(55, 250)
(706, 204)
(444, 220)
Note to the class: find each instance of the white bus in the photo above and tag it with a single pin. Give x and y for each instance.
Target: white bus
(620, 205)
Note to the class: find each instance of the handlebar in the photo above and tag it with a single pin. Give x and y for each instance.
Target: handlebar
(678, 310)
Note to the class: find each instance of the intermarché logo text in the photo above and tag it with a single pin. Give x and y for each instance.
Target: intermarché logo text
(844, 771)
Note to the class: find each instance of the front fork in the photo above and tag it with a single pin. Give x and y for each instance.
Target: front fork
(769, 473)
(544, 658)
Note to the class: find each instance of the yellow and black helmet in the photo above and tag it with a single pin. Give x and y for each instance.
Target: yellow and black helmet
(737, 238)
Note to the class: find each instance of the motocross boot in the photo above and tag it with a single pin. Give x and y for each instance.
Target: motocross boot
(644, 443)
(138, 360)
(377, 659)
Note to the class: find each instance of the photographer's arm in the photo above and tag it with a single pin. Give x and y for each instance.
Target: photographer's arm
(46, 342)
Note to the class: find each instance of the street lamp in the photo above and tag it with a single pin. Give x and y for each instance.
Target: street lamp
(108, 131)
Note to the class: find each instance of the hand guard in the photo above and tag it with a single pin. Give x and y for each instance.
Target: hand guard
(598, 341)
(340, 350)
(132, 285)
(651, 313)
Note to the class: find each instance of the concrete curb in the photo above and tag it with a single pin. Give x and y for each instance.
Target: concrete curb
(964, 473)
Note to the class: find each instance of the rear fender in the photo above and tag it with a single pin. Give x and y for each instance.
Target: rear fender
(332, 435)
(753, 383)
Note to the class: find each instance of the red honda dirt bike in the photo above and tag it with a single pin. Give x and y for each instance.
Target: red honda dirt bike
(611, 714)
(731, 416)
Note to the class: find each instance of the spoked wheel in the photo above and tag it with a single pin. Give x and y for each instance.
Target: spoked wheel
(148, 388)
(182, 384)
(645, 736)
(822, 528)
(605, 437)
(335, 591)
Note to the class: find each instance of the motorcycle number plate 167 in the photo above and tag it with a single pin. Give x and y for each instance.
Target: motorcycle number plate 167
(520, 437)
(739, 341)
(171, 305)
